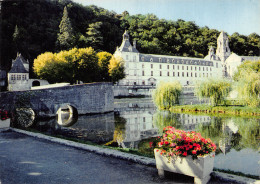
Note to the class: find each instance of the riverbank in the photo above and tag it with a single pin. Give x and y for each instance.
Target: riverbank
(50, 158)
(209, 109)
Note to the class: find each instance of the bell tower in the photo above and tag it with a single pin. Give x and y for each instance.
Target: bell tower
(223, 50)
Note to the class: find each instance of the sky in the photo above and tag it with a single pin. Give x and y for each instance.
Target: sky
(242, 16)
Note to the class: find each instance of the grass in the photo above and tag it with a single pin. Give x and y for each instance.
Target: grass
(209, 109)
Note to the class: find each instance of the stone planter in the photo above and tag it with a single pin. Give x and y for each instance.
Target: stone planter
(199, 168)
(5, 123)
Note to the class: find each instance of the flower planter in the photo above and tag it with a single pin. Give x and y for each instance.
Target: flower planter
(5, 123)
(199, 168)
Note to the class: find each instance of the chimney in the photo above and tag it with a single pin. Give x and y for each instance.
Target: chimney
(134, 43)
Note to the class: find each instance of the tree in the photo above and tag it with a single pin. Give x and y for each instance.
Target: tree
(68, 66)
(116, 69)
(103, 62)
(65, 37)
(216, 90)
(167, 94)
(94, 36)
(248, 83)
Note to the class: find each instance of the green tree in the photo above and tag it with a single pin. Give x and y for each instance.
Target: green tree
(167, 94)
(216, 90)
(94, 36)
(116, 69)
(65, 37)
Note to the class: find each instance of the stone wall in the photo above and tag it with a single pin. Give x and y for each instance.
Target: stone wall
(86, 98)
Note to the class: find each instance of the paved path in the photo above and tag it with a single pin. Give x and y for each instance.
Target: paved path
(24, 159)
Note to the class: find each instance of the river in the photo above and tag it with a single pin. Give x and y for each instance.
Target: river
(136, 121)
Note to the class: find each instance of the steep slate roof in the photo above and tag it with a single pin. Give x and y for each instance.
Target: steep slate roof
(250, 58)
(2, 74)
(174, 60)
(18, 66)
(126, 45)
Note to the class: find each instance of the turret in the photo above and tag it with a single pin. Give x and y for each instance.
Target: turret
(223, 50)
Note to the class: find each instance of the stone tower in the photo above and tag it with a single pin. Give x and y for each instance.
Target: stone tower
(223, 50)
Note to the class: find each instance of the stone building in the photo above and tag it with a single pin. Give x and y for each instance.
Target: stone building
(150, 69)
(18, 76)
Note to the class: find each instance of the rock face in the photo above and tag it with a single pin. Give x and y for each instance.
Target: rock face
(86, 98)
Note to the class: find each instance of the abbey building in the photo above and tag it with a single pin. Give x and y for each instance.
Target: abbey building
(150, 69)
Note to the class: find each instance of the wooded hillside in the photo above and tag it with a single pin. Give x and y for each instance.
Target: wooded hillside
(32, 27)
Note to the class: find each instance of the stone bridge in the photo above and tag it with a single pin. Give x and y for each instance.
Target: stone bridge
(85, 98)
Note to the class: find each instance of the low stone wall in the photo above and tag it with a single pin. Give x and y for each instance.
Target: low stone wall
(86, 98)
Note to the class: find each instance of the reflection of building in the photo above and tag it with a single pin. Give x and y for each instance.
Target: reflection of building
(18, 76)
(189, 122)
(139, 126)
(228, 130)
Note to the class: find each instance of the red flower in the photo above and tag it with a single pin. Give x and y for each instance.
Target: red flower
(184, 154)
(193, 152)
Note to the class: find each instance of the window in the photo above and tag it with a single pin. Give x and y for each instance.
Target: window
(207, 75)
(203, 68)
(135, 73)
(126, 57)
(187, 68)
(24, 77)
(160, 60)
(143, 119)
(143, 73)
(178, 74)
(178, 67)
(199, 68)
(12, 77)
(195, 74)
(160, 73)
(143, 83)
(195, 68)
(191, 68)
(167, 66)
(172, 66)
(217, 65)
(151, 59)
(183, 74)
(203, 75)
(18, 77)
(206, 68)
(191, 74)
(182, 67)
(168, 74)
(142, 58)
(134, 58)
(151, 65)
(187, 74)
(210, 69)
(134, 83)
(173, 74)
(160, 66)
(151, 73)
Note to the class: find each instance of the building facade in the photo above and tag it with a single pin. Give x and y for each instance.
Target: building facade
(18, 76)
(150, 69)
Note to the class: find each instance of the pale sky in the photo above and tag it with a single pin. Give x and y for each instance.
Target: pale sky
(242, 16)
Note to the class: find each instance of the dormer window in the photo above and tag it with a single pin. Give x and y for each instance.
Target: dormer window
(151, 59)
(142, 58)
(12, 77)
(160, 60)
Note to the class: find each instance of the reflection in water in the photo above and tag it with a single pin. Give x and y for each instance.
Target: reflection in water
(67, 116)
(138, 123)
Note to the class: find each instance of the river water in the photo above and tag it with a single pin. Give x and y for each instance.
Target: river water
(136, 121)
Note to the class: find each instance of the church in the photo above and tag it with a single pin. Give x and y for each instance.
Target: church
(150, 69)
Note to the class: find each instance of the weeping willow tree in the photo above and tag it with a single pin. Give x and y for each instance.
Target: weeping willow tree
(167, 94)
(216, 90)
(248, 88)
